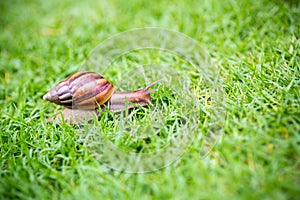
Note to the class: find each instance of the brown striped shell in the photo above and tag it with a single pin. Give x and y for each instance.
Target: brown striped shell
(82, 90)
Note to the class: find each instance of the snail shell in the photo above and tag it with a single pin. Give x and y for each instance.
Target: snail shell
(82, 90)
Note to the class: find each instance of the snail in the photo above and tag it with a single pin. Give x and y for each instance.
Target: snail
(82, 93)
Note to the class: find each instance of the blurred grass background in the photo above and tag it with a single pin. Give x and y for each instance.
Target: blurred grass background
(256, 46)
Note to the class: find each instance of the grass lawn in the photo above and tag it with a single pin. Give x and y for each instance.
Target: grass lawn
(255, 45)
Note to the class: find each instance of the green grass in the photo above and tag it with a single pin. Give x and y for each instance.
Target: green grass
(254, 44)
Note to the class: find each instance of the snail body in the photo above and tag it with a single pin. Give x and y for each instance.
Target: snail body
(88, 91)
